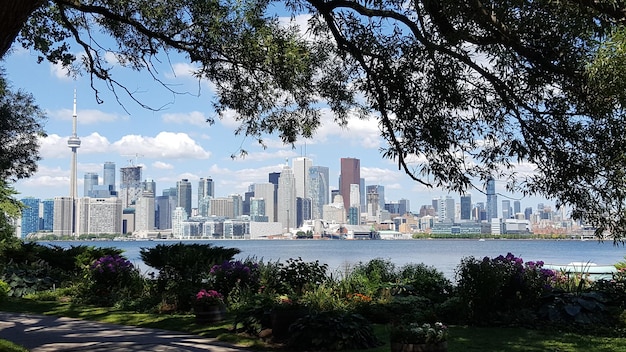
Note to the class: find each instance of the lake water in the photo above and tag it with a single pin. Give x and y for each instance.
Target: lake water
(445, 255)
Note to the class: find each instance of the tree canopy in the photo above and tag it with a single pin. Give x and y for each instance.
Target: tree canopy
(463, 90)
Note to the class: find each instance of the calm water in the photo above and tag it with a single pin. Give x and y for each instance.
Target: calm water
(442, 254)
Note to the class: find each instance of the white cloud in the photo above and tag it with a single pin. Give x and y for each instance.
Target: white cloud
(358, 132)
(162, 165)
(58, 71)
(195, 118)
(166, 145)
(380, 176)
(182, 70)
(54, 146)
(228, 119)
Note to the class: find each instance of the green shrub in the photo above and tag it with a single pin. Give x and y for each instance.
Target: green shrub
(493, 290)
(182, 268)
(111, 279)
(4, 291)
(426, 281)
(26, 278)
(332, 331)
(296, 276)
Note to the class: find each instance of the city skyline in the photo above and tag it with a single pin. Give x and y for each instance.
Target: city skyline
(176, 142)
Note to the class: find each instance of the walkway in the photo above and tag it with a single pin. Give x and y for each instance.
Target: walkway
(46, 333)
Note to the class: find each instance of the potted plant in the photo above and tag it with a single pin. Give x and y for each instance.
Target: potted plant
(209, 306)
(415, 337)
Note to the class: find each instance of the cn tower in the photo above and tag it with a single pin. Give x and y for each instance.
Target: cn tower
(74, 143)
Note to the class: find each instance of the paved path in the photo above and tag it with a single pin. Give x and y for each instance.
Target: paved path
(40, 333)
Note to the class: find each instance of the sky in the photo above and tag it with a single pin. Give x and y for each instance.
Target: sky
(175, 142)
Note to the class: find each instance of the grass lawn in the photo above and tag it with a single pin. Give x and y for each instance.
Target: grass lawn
(462, 339)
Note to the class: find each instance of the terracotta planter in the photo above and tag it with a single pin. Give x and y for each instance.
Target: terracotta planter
(422, 347)
(210, 314)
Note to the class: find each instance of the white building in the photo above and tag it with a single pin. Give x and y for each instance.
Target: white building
(99, 216)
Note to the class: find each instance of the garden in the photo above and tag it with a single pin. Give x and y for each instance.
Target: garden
(298, 305)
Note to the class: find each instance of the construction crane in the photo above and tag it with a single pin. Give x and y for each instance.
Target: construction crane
(133, 162)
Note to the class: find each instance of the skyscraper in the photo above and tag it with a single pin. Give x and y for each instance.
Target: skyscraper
(99, 215)
(380, 190)
(206, 191)
(73, 143)
(266, 192)
(63, 215)
(130, 185)
(183, 189)
(30, 216)
(466, 207)
(91, 179)
(145, 212)
(446, 209)
(287, 199)
(109, 175)
(506, 209)
(350, 175)
(318, 190)
(273, 178)
(301, 167)
(47, 217)
(492, 200)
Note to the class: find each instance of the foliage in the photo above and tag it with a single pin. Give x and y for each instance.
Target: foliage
(295, 276)
(332, 331)
(470, 89)
(252, 313)
(26, 278)
(374, 276)
(4, 291)
(233, 274)
(426, 281)
(495, 288)
(111, 279)
(182, 269)
(566, 308)
(415, 333)
(21, 126)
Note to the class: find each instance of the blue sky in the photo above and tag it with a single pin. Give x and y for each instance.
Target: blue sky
(175, 142)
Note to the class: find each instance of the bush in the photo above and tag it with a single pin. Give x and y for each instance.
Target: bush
(4, 291)
(27, 278)
(425, 281)
(493, 290)
(182, 269)
(231, 275)
(332, 331)
(296, 276)
(111, 279)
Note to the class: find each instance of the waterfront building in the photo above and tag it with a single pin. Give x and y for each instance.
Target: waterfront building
(30, 216)
(446, 209)
(492, 200)
(466, 207)
(380, 190)
(350, 174)
(183, 191)
(179, 215)
(318, 190)
(99, 216)
(130, 185)
(145, 212)
(109, 175)
(506, 209)
(222, 207)
(206, 191)
(301, 166)
(287, 215)
(265, 191)
(273, 178)
(63, 216)
(405, 206)
(47, 217)
(257, 210)
(90, 180)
